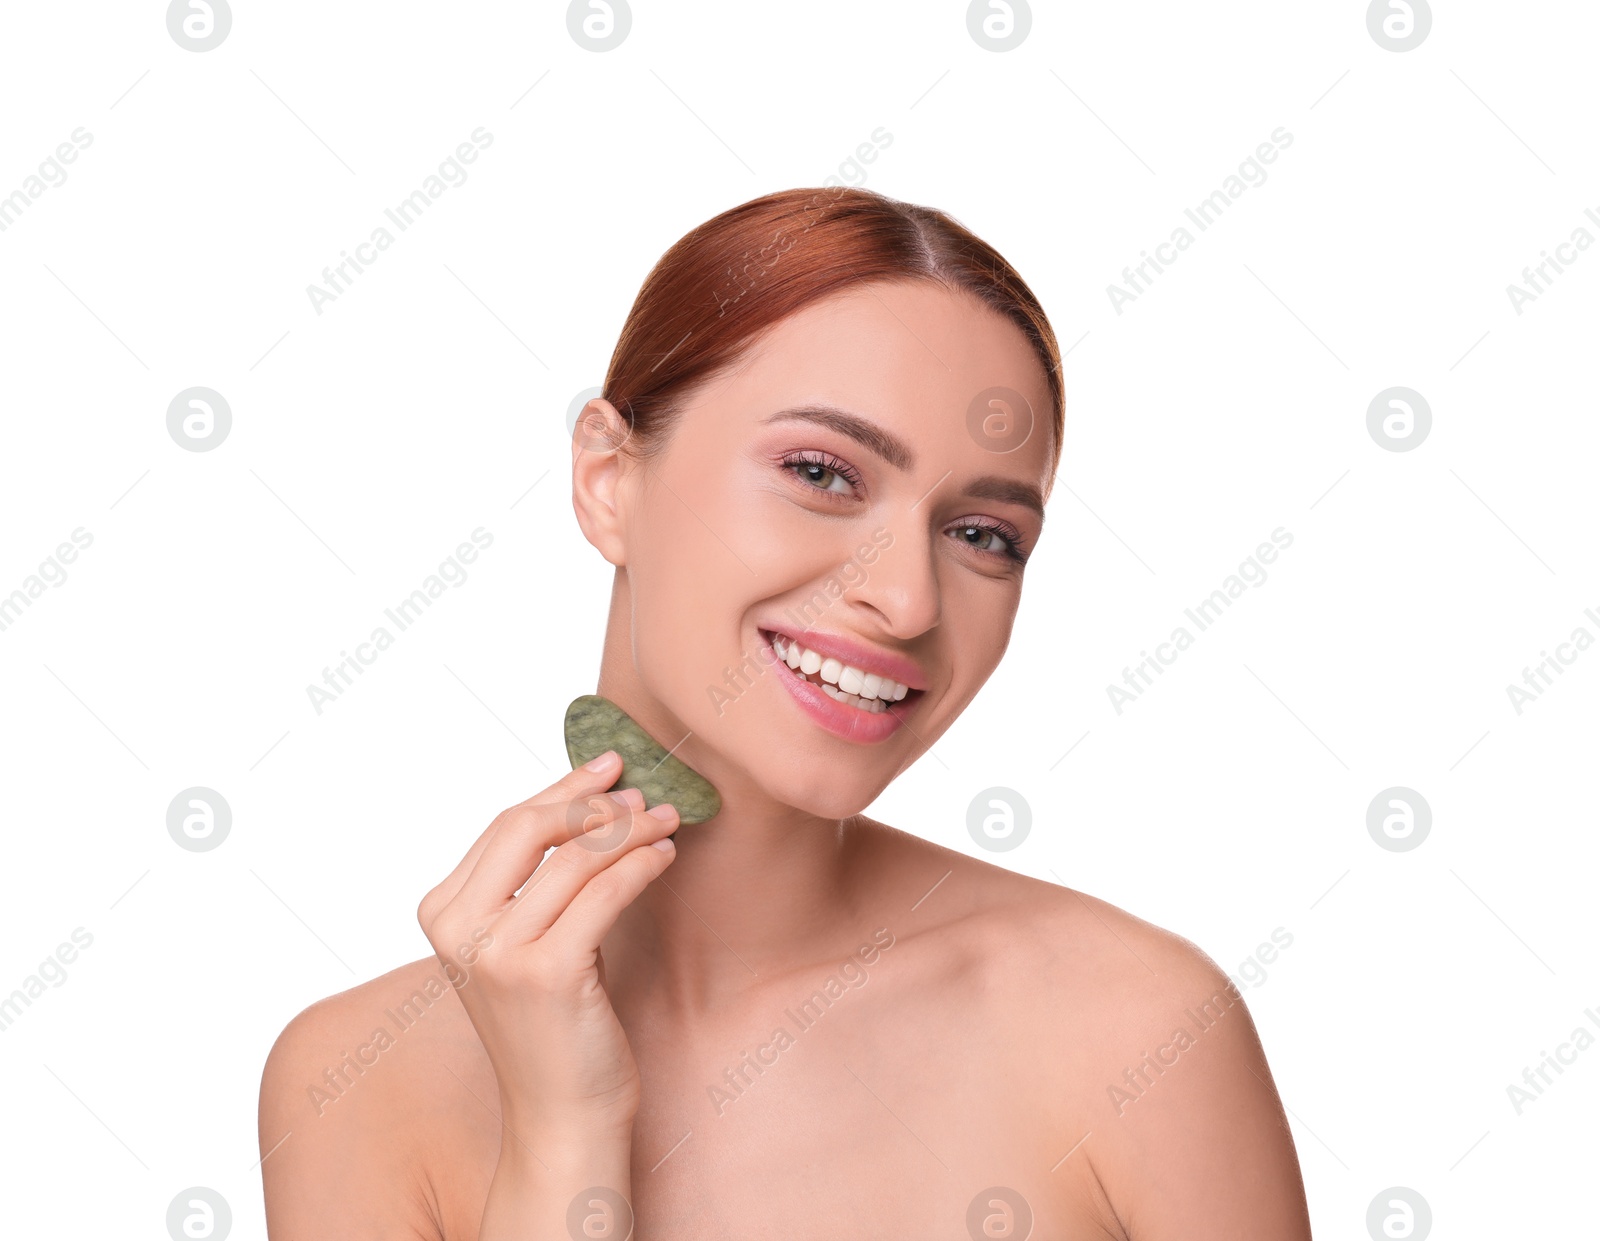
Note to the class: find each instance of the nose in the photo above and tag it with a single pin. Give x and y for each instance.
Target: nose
(900, 588)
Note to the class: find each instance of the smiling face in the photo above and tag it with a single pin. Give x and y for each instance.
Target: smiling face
(834, 503)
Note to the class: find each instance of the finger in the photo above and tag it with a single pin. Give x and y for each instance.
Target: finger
(564, 789)
(569, 868)
(591, 914)
(578, 782)
(513, 853)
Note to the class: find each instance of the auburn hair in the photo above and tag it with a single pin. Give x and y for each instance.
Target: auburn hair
(730, 279)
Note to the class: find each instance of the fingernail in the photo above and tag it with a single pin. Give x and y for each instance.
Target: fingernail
(620, 798)
(664, 844)
(664, 811)
(600, 763)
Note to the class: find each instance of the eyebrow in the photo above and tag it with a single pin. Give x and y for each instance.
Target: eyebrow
(898, 453)
(891, 448)
(1007, 491)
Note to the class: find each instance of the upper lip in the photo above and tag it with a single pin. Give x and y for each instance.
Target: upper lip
(857, 655)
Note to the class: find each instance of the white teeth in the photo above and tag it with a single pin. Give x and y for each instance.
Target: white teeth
(867, 691)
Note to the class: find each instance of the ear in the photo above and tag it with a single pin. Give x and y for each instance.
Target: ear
(599, 469)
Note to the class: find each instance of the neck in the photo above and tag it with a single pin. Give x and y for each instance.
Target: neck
(752, 893)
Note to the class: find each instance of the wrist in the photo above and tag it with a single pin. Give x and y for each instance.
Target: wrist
(546, 1139)
(592, 1127)
(559, 1184)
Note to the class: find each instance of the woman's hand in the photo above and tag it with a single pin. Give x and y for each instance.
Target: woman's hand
(520, 941)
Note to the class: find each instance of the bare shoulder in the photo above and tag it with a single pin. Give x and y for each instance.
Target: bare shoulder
(1182, 1120)
(356, 1095)
(1134, 1038)
(1050, 927)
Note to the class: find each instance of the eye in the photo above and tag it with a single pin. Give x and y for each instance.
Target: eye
(822, 472)
(992, 539)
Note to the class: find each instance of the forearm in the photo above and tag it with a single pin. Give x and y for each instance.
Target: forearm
(553, 1187)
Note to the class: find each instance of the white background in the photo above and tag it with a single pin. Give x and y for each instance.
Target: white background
(368, 441)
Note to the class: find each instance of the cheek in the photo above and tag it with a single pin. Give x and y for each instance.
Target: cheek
(687, 592)
(978, 615)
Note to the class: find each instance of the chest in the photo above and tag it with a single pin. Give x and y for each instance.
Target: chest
(876, 1114)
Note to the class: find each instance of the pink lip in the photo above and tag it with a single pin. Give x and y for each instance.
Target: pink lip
(857, 655)
(850, 723)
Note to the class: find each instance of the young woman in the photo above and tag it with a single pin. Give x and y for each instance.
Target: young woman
(819, 468)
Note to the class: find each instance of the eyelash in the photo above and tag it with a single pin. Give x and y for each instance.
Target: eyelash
(1013, 540)
(826, 461)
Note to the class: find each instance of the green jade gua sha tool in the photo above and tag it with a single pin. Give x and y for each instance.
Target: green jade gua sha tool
(595, 725)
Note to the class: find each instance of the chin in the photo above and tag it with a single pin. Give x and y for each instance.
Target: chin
(808, 796)
(793, 762)
(790, 776)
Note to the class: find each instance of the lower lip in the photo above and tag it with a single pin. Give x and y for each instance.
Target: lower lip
(851, 723)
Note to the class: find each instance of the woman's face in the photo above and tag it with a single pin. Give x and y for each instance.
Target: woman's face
(855, 495)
